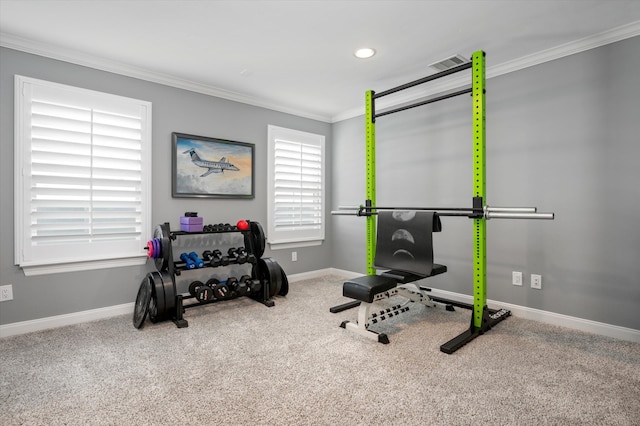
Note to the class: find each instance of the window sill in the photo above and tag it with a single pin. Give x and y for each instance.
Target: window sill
(82, 266)
(284, 245)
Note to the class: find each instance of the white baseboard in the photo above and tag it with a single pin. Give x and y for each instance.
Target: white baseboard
(553, 318)
(321, 273)
(24, 327)
(575, 323)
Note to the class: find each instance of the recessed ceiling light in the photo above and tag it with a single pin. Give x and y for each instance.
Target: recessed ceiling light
(364, 53)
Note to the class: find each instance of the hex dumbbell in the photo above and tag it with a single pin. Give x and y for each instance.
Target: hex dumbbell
(243, 286)
(241, 255)
(222, 260)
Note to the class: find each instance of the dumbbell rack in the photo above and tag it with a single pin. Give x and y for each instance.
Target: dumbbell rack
(158, 294)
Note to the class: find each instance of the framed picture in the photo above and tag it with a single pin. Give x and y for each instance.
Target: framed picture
(211, 168)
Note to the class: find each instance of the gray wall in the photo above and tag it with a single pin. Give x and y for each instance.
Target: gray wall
(563, 136)
(173, 110)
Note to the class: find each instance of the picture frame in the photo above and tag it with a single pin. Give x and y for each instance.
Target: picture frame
(204, 167)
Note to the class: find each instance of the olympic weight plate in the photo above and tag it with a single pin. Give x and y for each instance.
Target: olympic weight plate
(169, 294)
(268, 272)
(156, 248)
(284, 289)
(150, 248)
(157, 310)
(162, 260)
(258, 240)
(142, 302)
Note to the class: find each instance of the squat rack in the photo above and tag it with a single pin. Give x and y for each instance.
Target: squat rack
(483, 318)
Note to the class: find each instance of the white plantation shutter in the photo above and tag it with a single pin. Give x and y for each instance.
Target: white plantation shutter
(83, 190)
(296, 187)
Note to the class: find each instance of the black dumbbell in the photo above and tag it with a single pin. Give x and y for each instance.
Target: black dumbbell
(194, 286)
(220, 291)
(243, 285)
(224, 260)
(232, 283)
(236, 257)
(217, 259)
(203, 293)
(206, 255)
(232, 254)
(254, 285)
(241, 255)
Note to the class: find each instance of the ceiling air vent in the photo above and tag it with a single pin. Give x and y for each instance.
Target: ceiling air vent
(448, 63)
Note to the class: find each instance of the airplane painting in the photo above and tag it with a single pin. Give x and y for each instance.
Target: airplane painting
(212, 166)
(208, 167)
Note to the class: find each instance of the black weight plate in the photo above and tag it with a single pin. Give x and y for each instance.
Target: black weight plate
(142, 302)
(162, 233)
(153, 311)
(158, 313)
(169, 293)
(285, 283)
(258, 239)
(269, 271)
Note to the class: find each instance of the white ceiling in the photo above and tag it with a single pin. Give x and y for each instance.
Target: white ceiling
(297, 56)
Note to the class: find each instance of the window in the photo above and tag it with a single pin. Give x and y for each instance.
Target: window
(82, 180)
(296, 188)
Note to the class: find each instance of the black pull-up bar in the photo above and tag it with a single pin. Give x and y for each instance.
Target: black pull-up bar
(425, 102)
(432, 77)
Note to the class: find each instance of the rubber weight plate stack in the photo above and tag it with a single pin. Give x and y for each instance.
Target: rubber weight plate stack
(284, 288)
(157, 307)
(163, 301)
(142, 302)
(269, 273)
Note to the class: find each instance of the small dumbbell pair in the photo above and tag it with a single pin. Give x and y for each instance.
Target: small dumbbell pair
(191, 260)
(239, 254)
(215, 258)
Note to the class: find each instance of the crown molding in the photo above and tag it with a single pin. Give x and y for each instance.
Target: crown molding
(80, 58)
(577, 46)
(91, 61)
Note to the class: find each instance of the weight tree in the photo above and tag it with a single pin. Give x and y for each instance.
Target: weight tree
(482, 318)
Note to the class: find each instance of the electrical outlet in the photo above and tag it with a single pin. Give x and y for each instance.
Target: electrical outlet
(516, 278)
(6, 292)
(536, 281)
(294, 256)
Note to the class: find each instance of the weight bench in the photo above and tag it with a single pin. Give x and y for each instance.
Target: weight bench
(404, 247)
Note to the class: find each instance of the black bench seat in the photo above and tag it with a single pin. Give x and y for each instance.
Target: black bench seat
(364, 288)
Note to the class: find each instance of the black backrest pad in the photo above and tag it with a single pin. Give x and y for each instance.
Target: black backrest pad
(404, 241)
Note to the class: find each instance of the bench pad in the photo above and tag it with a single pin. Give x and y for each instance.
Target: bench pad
(365, 287)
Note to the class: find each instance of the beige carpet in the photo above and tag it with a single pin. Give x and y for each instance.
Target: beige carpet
(241, 363)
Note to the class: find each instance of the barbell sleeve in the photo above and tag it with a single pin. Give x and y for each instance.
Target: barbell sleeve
(507, 215)
(345, 212)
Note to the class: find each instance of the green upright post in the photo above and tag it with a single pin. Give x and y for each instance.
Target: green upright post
(479, 188)
(483, 318)
(371, 179)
